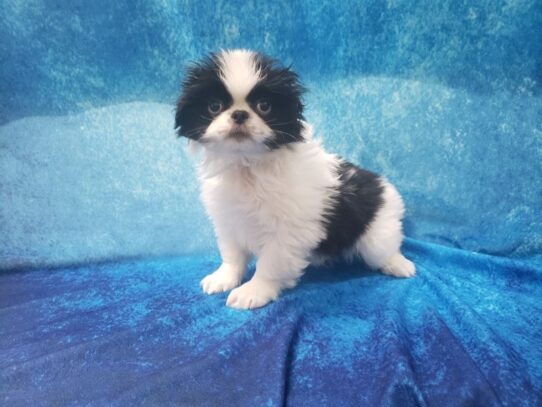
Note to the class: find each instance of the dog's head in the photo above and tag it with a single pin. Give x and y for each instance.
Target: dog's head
(240, 101)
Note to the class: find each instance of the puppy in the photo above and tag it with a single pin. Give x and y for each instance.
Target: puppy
(270, 189)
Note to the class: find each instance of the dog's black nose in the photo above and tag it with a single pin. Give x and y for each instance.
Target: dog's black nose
(239, 116)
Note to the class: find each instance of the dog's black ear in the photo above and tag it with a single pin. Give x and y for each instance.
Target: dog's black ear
(186, 112)
(282, 80)
(195, 86)
(179, 116)
(188, 122)
(182, 110)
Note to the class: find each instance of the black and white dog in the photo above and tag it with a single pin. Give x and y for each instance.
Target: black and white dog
(270, 189)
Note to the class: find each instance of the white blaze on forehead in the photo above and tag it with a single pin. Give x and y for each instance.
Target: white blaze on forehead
(239, 72)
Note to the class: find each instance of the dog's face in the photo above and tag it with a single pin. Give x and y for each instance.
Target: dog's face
(240, 102)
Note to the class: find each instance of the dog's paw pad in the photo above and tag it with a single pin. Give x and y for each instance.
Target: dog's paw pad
(254, 294)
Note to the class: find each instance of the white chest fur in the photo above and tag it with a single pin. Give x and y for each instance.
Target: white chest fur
(282, 196)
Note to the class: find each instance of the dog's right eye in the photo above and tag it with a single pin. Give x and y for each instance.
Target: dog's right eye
(215, 106)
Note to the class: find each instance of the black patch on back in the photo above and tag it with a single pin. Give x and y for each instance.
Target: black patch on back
(281, 86)
(201, 85)
(360, 197)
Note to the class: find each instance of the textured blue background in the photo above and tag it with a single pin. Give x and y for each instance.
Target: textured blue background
(444, 98)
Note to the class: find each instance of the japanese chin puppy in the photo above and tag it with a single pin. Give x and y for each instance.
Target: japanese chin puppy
(271, 190)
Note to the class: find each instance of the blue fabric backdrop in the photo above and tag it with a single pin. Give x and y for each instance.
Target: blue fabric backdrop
(444, 98)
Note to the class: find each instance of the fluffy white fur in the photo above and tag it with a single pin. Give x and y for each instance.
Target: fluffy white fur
(239, 72)
(271, 204)
(380, 245)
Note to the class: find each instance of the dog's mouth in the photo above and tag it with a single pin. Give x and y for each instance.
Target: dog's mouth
(239, 134)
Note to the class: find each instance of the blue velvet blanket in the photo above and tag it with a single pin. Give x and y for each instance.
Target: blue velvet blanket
(103, 241)
(465, 331)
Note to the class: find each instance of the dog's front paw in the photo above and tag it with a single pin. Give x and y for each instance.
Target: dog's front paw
(399, 266)
(221, 280)
(253, 294)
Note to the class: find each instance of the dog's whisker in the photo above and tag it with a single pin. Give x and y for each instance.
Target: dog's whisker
(293, 137)
(274, 123)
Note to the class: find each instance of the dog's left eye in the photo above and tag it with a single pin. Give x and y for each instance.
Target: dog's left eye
(215, 106)
(263, 106)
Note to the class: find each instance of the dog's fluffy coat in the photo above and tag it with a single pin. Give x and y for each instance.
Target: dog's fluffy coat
(270, 189)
